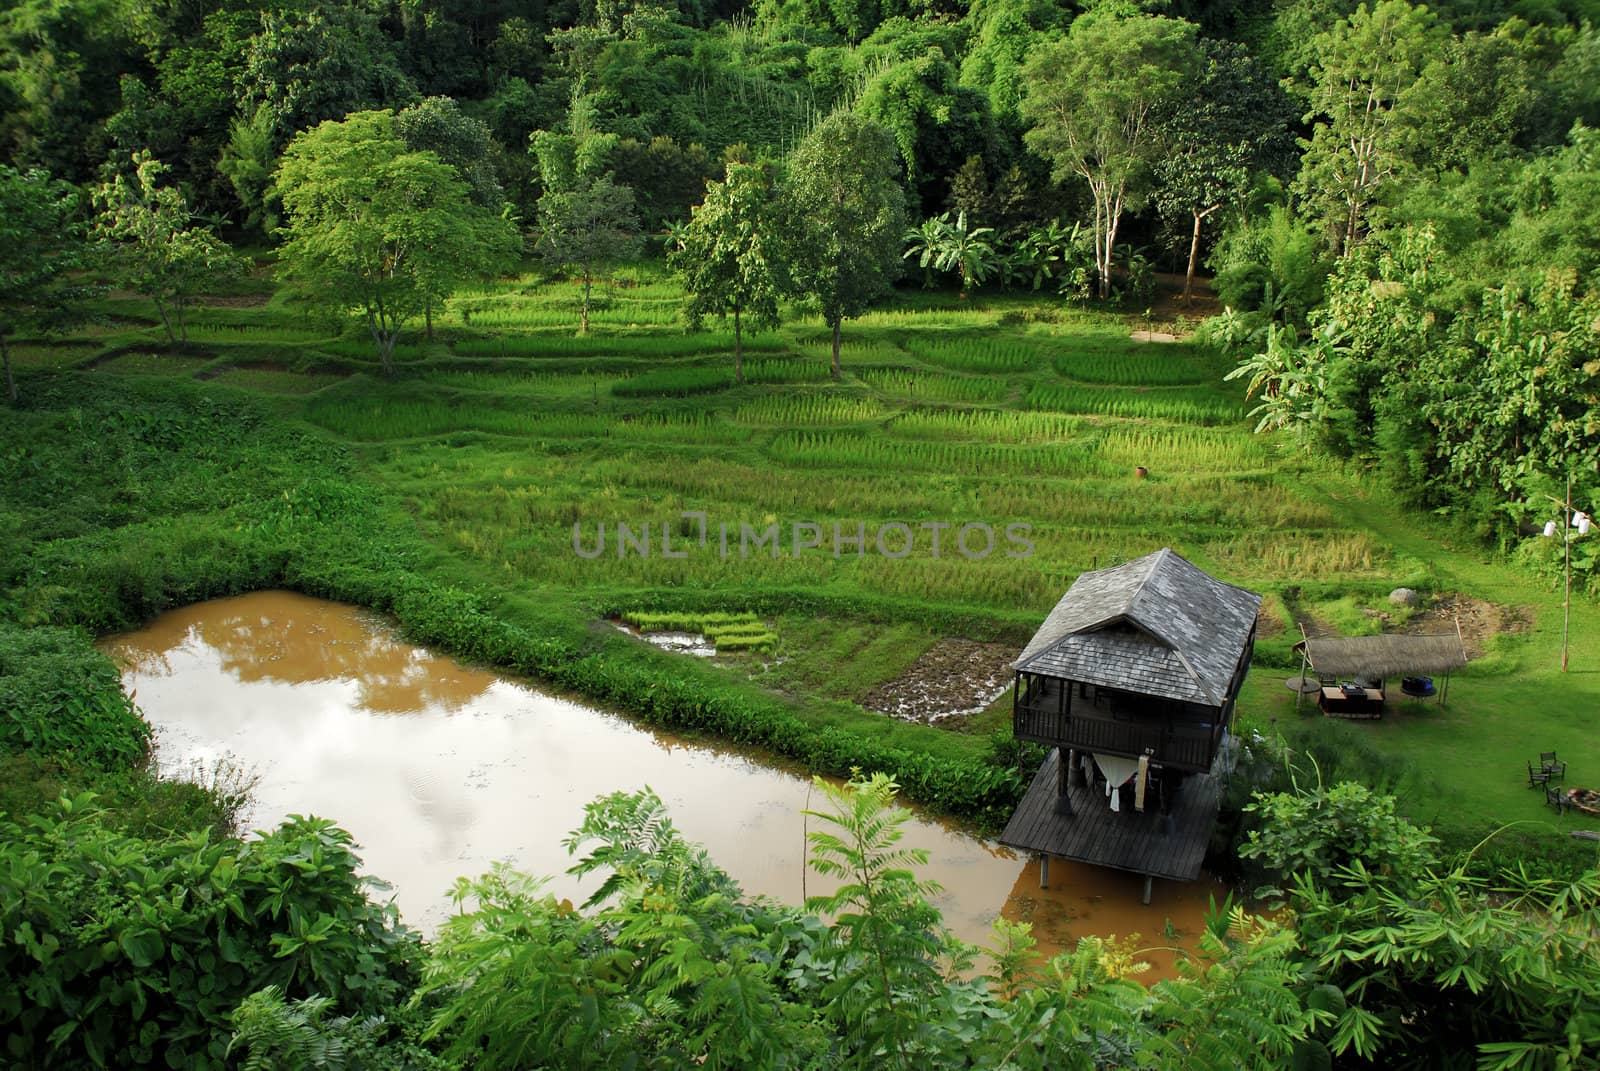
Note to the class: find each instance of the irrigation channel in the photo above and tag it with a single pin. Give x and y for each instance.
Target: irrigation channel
(440, 769)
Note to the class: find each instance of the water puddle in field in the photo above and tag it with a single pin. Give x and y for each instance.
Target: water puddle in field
(689, 643)
(439, 769)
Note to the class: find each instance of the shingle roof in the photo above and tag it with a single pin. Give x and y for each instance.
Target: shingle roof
(1156, 625)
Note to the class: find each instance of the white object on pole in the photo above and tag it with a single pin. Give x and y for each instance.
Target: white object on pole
(1582, 522)
(1549, 529)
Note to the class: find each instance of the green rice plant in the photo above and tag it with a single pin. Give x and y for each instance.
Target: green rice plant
(932, 387)
(948, 317)
(1183, 449)
(509, 381)
(1152, 366)
(610, 307)
(987, 424)
(687, 622)
(105, 326)
(674, 383)
(362, 350)
(786, 370)
(807, 410)
(849, 450)
(756, 641)
(731, 632)
(977, 354)
(379, 420)
(649, 346)
(253, 330)
(1300, 555)
(49, 354)
(679, 428)
(152, 364)
(276, 380)
(1179, 406)
(853, 353)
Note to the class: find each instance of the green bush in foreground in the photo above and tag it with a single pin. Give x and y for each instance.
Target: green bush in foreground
(120, 951)
(669, 965)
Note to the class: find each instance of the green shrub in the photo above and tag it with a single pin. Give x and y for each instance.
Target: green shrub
(131, 952)
(61, 697)
(1318, 833)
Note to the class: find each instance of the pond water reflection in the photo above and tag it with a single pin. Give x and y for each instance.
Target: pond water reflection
(439, 769)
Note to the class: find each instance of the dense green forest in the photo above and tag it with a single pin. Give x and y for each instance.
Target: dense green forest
(1375, 228)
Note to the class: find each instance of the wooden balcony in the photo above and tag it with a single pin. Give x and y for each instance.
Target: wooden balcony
(1041, 715)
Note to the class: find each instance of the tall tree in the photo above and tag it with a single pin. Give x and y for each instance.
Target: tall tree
(1362, 79)
(158, 250)
(1230, 121)
(732, 256)
(438, 125)
(583, 227)
(41, 245)
(376, 226)
(247, 161)
(1090, 105)
(320, 62)
(852, 214)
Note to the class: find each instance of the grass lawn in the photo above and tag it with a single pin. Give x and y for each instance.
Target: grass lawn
(500, 435)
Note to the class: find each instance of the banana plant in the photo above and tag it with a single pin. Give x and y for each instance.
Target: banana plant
(967, 250)
(925, 242)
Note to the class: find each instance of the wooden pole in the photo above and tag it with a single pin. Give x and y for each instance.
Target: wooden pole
(1148, 880)
(1566, 541)
(1044, 871)
(1305, 663)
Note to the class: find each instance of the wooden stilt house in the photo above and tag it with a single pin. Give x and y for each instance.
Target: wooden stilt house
(1131, 683)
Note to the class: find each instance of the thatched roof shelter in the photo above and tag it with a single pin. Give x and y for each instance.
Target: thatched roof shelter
(1382, 657)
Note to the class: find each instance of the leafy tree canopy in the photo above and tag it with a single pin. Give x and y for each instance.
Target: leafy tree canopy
(377, 226)
(156, 248)
(733, 255)
(841, 187)
(41, 247)
(1091, 106)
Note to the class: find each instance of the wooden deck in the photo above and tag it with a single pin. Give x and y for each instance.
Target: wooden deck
(1125, 840)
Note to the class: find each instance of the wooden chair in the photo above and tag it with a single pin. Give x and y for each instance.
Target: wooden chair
(1547, 759)
(1555, 771)
(1558, 799)
(1537, 777)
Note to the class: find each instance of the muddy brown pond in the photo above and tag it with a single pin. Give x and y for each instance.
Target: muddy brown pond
(440, 769)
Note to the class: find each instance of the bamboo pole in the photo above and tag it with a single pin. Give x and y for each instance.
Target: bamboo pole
(1305, 663)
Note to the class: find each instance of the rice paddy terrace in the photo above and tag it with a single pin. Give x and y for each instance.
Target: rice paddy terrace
(514, 445)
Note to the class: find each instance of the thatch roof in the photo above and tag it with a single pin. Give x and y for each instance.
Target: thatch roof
(1156, 625)
(1380, 657)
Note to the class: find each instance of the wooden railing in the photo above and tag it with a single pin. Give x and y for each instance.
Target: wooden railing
(1190, 748)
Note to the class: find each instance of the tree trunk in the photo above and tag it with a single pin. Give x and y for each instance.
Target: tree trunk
(5, 358)
(178, 304)
(166, 321)
(836, 324)
(382, 339)
(583, 319)
(1194, 255)
(427, 316)
(1113, 219)
(738, 350)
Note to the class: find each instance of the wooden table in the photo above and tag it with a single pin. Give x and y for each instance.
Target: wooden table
(1336, 704)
